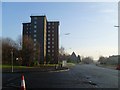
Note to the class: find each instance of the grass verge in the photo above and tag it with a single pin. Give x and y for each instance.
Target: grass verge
(70, 64)
(9, 66)
(108, 66)
(20, 67)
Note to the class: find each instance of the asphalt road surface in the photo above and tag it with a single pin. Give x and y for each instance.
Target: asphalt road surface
(79, 76)
(102, 77)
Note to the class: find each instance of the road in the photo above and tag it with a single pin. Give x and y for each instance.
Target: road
(80, 76)
(103, 77)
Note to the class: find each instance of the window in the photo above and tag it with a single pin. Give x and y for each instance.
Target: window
(34, 31)
(52, 34)
(52, 50)
(48, 42)
(48, 34)
(49, 23)
(52, 30)
(53, 55)
(34, 35)
(52, 46)
(49, 31)
(35, 26)
(34, 44)
(35, 18)
(52, 27)
(48, 46)
(52, 38)
(48, 38)
(52, 42)
(48, 50)
(48, 27)
(35, 22)
(34, 39)
(53, 23)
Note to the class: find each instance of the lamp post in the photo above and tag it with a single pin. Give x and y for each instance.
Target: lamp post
(60, 57)
(12, 59)
(116, 26)
(118, 37)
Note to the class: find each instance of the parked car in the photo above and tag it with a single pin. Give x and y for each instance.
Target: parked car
(118, 67)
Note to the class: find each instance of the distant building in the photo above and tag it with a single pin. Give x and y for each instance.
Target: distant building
(113, 59)
(73, 58)
(53, 41)
(46, 34)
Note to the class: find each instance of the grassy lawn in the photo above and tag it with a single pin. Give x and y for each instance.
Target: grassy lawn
(108, 66)
(20, 67)
(48, 65)
(70, 64)
(41, 65)
(9, 66)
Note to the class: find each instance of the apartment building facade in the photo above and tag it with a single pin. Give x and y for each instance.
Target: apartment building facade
(46, 34)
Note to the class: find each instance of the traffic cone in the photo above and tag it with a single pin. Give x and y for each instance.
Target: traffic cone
(23, 83)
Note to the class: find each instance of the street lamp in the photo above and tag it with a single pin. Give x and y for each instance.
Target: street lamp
(12, 59)
(116, 26)
(60, 58)
(66, 33)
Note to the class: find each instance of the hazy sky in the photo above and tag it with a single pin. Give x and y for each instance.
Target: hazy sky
(90, 24)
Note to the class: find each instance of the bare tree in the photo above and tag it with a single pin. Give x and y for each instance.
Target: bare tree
(111, 60)
(62, 50)
(8, 45)
(27, 50)
(19, 42)
(102, 60)
(79, 58)
(62, 54)
(30, 54)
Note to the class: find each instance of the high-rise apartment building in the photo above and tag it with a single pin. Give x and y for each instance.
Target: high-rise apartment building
(46, 34)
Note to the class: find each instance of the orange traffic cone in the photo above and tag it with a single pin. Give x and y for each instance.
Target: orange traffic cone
(23, 83)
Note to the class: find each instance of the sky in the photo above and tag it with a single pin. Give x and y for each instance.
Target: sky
(90, 24)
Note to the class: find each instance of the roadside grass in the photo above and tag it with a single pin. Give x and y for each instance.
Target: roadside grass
(47, 65)
(107, 66)
(39, 66)
(9, 66)
(20, 67)
(70, 64)
(0, 66)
